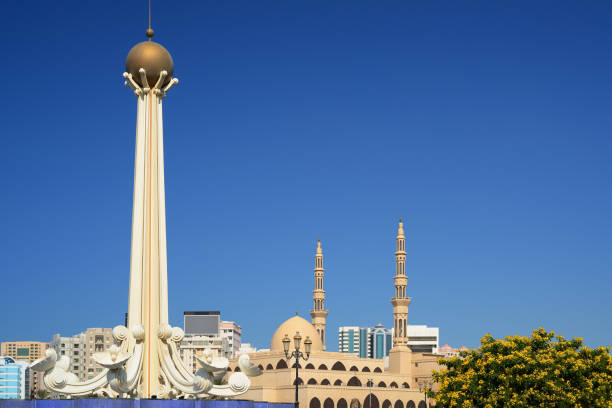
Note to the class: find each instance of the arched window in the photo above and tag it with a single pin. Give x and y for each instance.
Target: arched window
(338, 382)
(329, 403)
(229, 368)
(410, 404)
(260, 367)
(365, 370)
(377, 370)
(237, 369)
(382, 384)
(342, 403)
(338, 366)
(299, 365)
(281, 364)
(370, 401)
(354, 382)
(325, 381)
(315, 403)
(269, 367)
(322, 367)
(398, 404)
(386, 404)
(394, 385)
(355, 403)
(405, 385)
(422, 404)
(312, 381)
(353, 368)
(299, 381)
(309, 366)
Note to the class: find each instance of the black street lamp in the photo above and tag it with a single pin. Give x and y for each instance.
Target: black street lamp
(297, 354)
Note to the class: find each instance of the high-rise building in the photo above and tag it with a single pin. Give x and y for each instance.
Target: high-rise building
(28, 351)
(14, 378)
(205, 330)
(319, 314)
(422, 339)
(24, 350)
(202, 322)
(233, 333)
(365, 342)
(79, 349)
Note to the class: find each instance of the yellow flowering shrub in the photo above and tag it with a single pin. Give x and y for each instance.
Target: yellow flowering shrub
(543, 370)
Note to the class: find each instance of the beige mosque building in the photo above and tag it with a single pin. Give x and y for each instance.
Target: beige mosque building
(341, 380)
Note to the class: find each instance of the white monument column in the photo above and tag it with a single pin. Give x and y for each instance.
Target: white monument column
(145, 361)
(149, 69)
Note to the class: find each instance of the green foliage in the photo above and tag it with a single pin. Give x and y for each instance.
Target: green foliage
(42, 394)
(537, 371)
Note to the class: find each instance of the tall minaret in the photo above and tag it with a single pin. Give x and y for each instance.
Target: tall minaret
(400, 302)
(319, 314)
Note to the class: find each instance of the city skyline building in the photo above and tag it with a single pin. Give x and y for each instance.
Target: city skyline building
(14, 378)
(365, 342)
(28, 351)
(79, 349)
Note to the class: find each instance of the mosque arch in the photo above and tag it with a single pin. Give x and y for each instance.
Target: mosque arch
(341, 403)
(281, 364)
(322, 367)
(325, 381)
(370, 401)
(394, 385)
(260, 367)
(354, 382)
(312, 381)
(298, 381)
(338, 382)
(328, 403)
(398, 404)
(298, 365)
(269, 367)
(315, 403)
(355, 403)
(377, 370)
(309, 366)
(405, 385)
(386, 404)
(382, 384)
(237, 369)
(422, 404)
(338, 366)
(353, 368)
(365, 370)
(410, 404)
(229, 368)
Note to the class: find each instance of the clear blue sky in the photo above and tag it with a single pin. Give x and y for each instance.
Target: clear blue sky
(487, 127)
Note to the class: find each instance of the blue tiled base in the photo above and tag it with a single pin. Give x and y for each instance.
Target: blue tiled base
(138, 403)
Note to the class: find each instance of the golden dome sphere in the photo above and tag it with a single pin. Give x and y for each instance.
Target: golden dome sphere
(151, 56)
(289, 327)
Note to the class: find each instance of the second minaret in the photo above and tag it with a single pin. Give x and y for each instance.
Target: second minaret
(319, 314)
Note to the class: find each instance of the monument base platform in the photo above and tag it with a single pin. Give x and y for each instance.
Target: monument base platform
(138, 403)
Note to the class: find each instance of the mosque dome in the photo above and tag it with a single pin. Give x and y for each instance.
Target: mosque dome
(151, 56)
(289, 327)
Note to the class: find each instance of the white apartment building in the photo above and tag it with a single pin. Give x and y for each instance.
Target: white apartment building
(423, 339)
(233, 333)
(205, 330)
